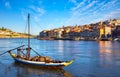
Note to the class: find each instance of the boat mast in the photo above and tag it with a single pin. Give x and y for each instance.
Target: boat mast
(28, 30)
(29, 48)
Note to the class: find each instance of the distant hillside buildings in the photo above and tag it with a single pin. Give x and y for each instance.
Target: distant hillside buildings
(7, 33)
(107, 29)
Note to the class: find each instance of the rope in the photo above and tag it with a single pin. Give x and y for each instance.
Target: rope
(36, 52)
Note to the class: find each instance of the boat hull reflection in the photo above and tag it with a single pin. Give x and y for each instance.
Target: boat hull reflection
(23, 70)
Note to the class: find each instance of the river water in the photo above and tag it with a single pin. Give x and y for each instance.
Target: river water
(92, 58)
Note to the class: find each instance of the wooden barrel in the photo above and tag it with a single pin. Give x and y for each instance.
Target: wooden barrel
(47, 58)
(42, 59)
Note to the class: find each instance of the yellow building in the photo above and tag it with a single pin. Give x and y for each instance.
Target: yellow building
(101, 32)
(105, 31)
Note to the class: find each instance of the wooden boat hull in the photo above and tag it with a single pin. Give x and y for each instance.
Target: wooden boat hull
(56, 65)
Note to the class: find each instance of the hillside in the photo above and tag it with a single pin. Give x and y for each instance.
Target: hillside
(7, 33)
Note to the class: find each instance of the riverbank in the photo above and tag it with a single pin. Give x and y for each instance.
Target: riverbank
(7, 33)
(80, 39)
(19, 36)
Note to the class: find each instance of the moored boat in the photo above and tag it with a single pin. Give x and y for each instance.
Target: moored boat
(51, 63)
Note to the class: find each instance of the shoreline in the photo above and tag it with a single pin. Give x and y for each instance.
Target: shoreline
(83, 39)
(70, 39)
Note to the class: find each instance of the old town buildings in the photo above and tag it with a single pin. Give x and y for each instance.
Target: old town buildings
(106, 29)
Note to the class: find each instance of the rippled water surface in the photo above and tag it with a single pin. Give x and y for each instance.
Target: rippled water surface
(92, 58)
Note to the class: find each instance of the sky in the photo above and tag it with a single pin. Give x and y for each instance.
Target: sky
(50, 14)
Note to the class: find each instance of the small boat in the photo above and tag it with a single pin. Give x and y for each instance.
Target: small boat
(23, 56)
(56, 64)
(117, 39)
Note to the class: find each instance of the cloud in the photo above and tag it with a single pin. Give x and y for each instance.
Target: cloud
(107, 16)
(40, 10)
(24, 14)
(89, 6)
(113, 14)
(37, 18)
(109, 4)
(78, 5)
(88, 11)
(7, 4)
(80, 12)
(83, 8)
(37, 12)
(37, 9)
(73, 1)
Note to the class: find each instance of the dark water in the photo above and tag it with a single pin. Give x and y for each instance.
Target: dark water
(92, 59)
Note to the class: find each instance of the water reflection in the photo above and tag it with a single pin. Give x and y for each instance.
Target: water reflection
(31, 71)
(106, 54)
(106, 45)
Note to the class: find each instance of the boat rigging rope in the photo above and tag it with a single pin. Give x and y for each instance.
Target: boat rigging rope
(22, 42)
(36, 52)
